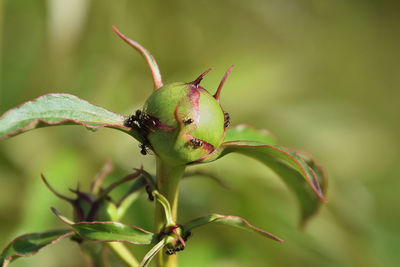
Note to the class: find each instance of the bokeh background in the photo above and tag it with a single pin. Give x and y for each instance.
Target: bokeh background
(323, 76)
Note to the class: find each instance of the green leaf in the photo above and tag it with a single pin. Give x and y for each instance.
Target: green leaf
(234, 221)
(59, 109)
(247, 132)
(110, 231)
(290, 165)
(151, 253)
(28, 245)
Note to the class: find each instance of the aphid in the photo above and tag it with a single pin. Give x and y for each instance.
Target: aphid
(143, 149)
(133, 119)
(170, 251)
(187, 235)
(196, 143)
(227, 119)
(188, 121)
(130, 122)
(179, 248)
(142, 120)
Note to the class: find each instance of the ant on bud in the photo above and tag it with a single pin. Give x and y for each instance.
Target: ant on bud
(227, 119)
(196, 142)
(133, 120)
(140, 120)
(188, 121)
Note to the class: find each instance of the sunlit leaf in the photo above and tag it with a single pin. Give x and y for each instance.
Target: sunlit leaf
(234, 221)
(290, 165)
(59, 109)
(30, 244)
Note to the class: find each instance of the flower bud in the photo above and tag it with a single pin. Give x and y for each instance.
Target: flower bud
(182, 122)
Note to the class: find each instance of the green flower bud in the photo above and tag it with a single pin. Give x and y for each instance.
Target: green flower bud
(182, 122)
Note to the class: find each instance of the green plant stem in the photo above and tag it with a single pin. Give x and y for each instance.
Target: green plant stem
(92, 253)
(123, 253)
(168, 178)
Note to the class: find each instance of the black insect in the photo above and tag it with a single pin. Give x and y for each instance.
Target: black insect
(141, 121)
(149, 193)
(170, 251)
(186, 235)
(227, 119)
(196, 142)
(133, 120)
(143, 149)
(179, 248)
(188, 121)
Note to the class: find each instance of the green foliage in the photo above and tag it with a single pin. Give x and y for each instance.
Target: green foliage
(233, 221)
(288, 164)
(57, 109)
(183, 124)
(29, 244)
(109, 231)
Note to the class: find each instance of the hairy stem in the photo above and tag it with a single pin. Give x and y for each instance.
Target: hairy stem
(168, 177)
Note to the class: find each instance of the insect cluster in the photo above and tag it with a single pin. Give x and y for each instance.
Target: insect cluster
(143, 123)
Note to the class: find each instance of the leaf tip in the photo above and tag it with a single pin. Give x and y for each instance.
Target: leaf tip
(61, 217)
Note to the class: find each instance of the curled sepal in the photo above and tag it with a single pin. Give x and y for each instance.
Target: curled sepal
(59, 109)
(234, 221)
(166, 206)
(146, 54)
(151, 253)
(109, 231)
(29, 244)
(288, 164)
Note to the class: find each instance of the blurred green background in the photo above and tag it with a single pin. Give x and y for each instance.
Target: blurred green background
(323, 76)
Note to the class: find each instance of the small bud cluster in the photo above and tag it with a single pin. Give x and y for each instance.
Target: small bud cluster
(179, 246)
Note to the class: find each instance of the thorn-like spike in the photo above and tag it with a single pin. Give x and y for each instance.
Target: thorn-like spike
(198, 80)
(146, 54)
(221, 84)
(54, 191)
